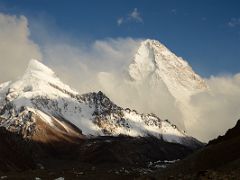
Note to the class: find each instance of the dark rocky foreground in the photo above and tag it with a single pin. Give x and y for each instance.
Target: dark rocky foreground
(96, 158)
(219, 159)
(118, 158)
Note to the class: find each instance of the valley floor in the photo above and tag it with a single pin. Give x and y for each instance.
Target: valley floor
(111, 171)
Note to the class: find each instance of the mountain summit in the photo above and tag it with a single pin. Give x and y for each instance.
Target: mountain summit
(153, 62)
(40, 103)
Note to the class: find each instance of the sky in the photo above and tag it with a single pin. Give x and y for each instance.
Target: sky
(206, 33)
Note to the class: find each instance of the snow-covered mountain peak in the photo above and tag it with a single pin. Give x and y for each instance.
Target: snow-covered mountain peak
(154, 63)
(39, 79)
(154, 44)
(35, 67)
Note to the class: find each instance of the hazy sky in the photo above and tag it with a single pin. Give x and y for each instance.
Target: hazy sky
(206, 33)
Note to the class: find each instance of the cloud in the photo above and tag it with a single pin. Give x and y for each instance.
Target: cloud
(234, 22)
(134, 16)
(16, 48)
(86, 61)
(218, 109)
(120, 21)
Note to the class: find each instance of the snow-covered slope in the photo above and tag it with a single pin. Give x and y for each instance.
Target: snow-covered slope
(39, 94)
(154, 64)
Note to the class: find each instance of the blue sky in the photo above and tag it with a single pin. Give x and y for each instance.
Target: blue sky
(206, 33)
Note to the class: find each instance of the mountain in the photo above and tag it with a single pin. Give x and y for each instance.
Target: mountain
(155, 66)
(40, 103)
(154, 63)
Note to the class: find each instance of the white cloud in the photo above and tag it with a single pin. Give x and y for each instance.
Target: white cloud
(234, 22)
(134, 16)
(218, 109)
(86, 61)
(120, 21)
(16, 48)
